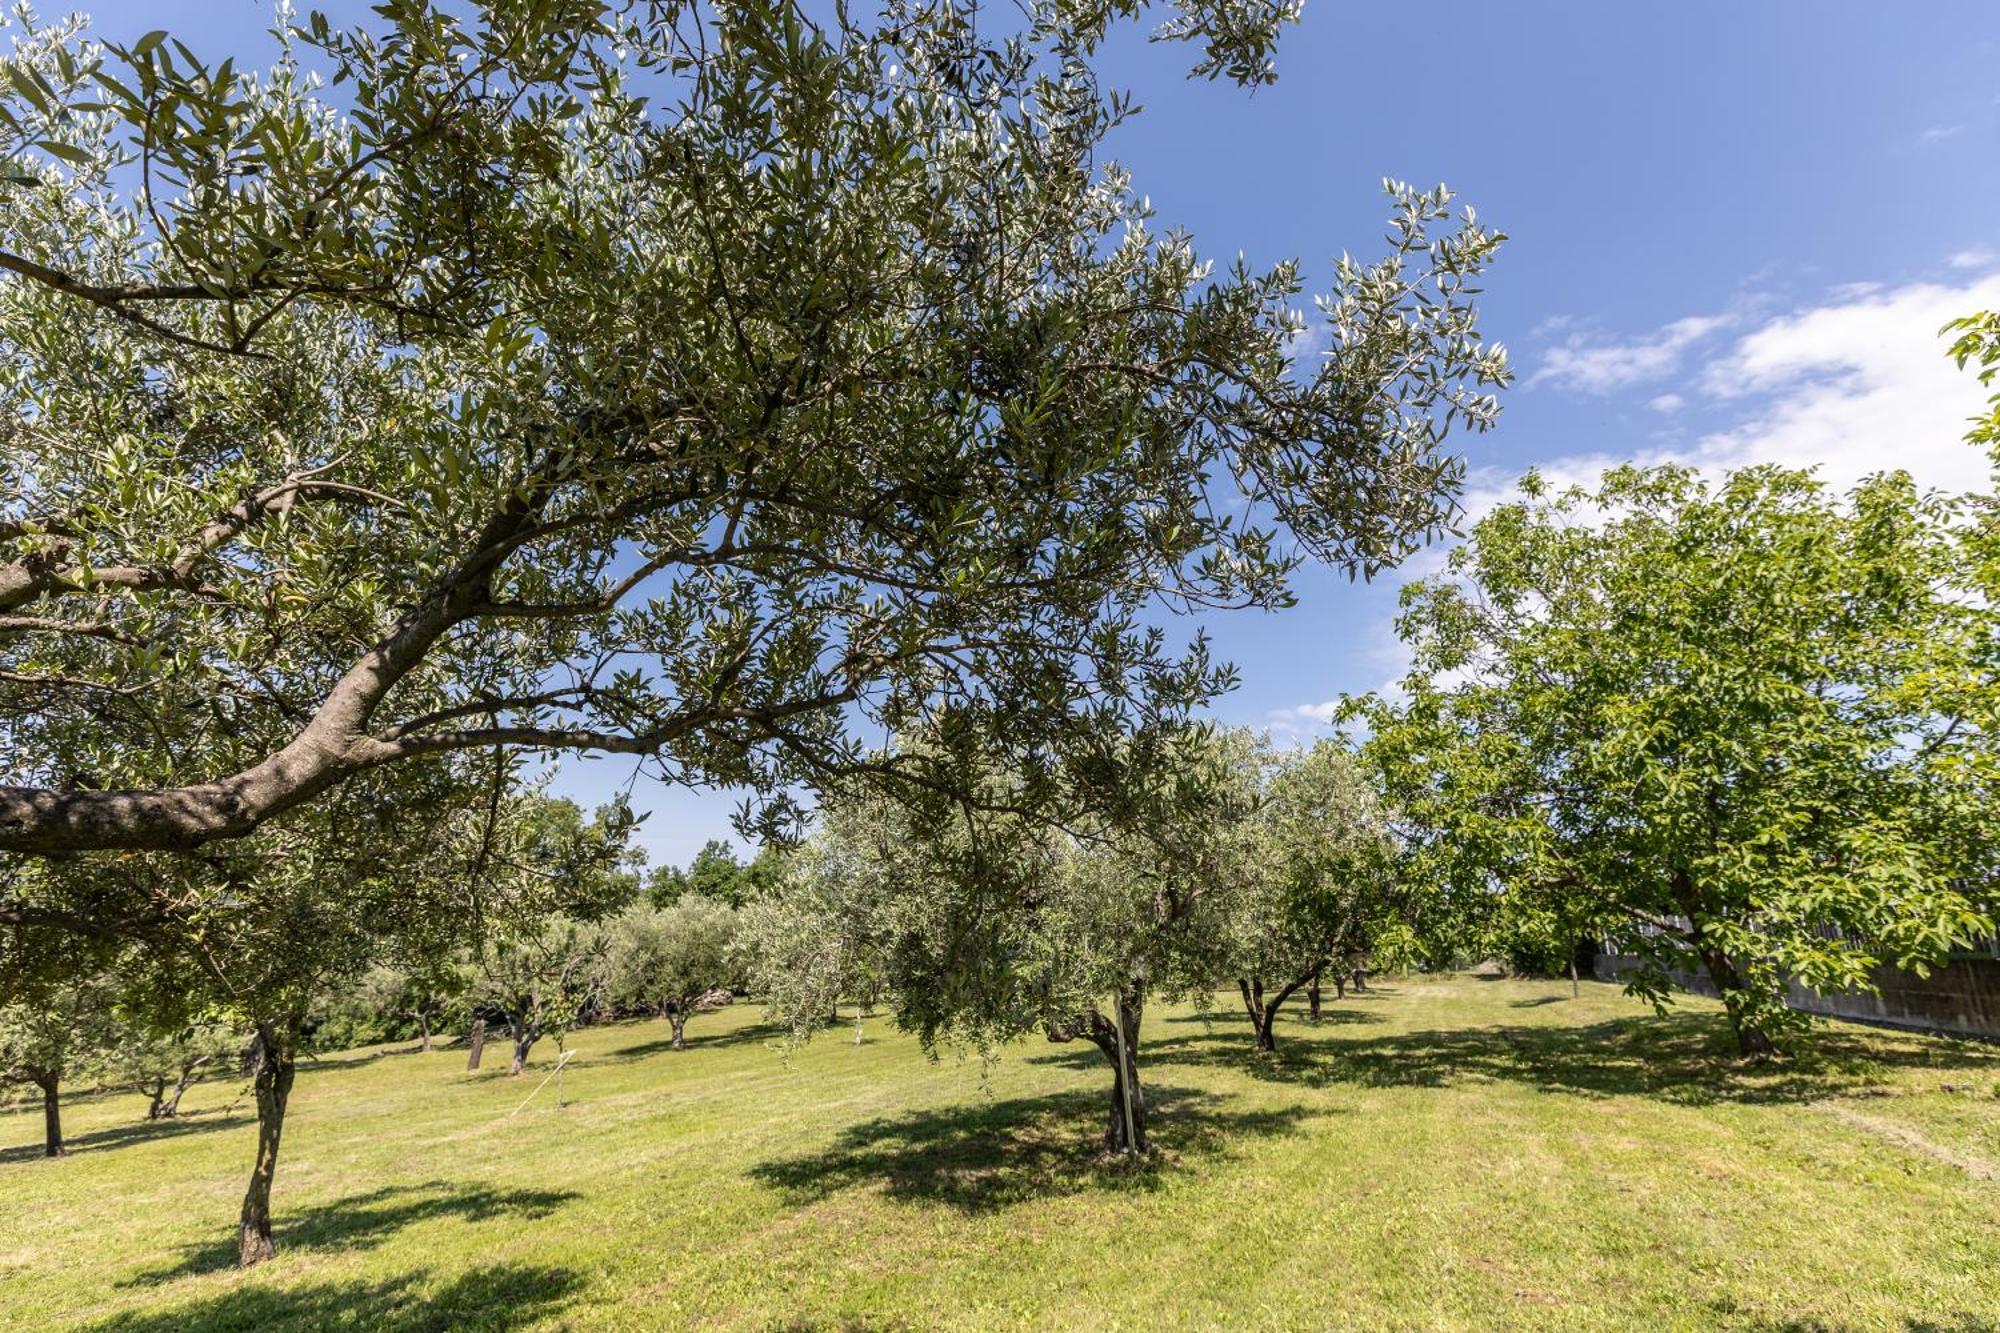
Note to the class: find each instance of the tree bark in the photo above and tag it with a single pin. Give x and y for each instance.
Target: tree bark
(1750, 1039)
(477, 1037)
(157, 1092)
(679, 1019)
(50, 1082)
(1264, 1014)
(1313, 995)
(1340, 985)
(1103, 1033)
(423, 1031)
(524, 1041)
(1128, 1096)
(1360, 981)
(1575, 986)
(189, 1072)
(274, 1091)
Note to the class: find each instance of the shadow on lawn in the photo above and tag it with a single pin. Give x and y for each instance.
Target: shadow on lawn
(697, 1039)
(142, 1131)
(992, 1156)
(492, 1299)
(361, 1221)
(1682, 1057)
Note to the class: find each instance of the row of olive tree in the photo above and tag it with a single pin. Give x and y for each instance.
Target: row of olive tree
(1221, 859)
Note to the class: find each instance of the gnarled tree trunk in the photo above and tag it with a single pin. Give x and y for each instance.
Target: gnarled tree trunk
(1313, 995)
(424, 1031)
(524, 1041)
(1125, 1130)
(677, 1018)
(189, 1073)
(1263, 1013)
(274, 1091)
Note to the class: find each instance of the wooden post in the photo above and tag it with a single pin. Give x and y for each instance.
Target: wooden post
(1124, 1074)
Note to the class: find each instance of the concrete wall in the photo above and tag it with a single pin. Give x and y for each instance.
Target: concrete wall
(1961, 996)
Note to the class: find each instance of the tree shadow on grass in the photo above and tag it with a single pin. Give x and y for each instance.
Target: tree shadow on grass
(696, 1040)
(362, 1221)
(1683, 1057)
(490, 1299)
(985, 1158)
(142, 1131)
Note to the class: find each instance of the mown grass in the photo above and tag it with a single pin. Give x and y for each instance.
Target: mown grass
(1440, 1153)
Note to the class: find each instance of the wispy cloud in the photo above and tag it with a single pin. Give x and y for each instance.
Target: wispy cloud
(1939, 133)
(1974, 258)
(1584, 363)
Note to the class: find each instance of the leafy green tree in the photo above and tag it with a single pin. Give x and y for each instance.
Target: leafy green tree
(436, 391)
(716, 874)
(47, 1040)
(1719, 720)
(162, 1066)
(671, 960)
(997, 919)
(1322, 861)
(541, 980)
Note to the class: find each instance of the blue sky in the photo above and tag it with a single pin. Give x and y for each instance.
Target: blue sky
(1736, 227)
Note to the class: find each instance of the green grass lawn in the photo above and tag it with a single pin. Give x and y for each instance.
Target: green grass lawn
(1440, 1153)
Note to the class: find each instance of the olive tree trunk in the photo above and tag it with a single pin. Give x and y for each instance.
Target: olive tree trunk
(190, 1072)
(50, 1082)
(274, 1091)
(1125, 1130)
(676, 1012)
(1264, 1013)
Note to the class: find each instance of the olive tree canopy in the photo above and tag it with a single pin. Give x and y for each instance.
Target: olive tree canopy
(720, 385)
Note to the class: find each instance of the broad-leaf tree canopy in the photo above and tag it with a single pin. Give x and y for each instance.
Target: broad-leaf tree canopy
(716, 385)
(1721, 721)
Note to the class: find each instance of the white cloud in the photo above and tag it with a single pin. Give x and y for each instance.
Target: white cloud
(1974, 258)
(1600, 367)
(1854, 387)
(1939, 133)
(1858, 385)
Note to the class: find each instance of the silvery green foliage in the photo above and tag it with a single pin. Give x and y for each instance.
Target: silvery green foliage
(1321, 869)
(726, 386)
(984, 924)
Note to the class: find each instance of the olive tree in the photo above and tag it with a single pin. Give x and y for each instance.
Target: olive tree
(1321, 863)
(541, 980)
(990, 919)
(714, 385)
(670, 960)
(1720, 720)
(162, 1065)
(47, 1040)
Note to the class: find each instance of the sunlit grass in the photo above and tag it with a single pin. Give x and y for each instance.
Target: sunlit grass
(1436, 1154)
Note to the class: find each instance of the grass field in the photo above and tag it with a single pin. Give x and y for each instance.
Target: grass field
(1441, 1153)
